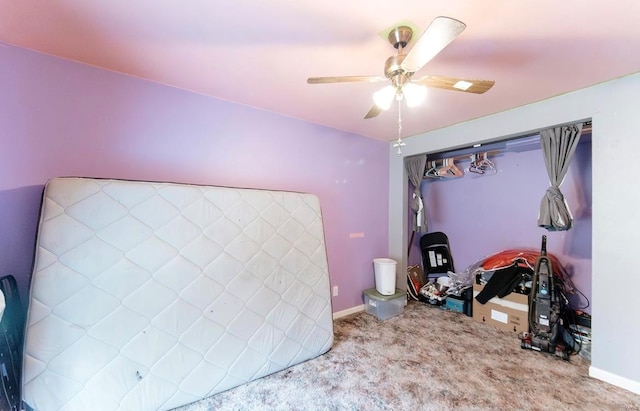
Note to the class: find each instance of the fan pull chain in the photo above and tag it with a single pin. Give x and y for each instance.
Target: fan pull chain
(399, 144)
(399, 120)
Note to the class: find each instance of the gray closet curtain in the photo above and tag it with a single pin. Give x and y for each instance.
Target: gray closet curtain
(558, 146)
(415, 170)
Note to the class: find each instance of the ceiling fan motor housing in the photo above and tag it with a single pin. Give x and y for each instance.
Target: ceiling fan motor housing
(394, 71)
(399, 38)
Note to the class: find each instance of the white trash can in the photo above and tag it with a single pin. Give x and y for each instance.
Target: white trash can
(385, 274)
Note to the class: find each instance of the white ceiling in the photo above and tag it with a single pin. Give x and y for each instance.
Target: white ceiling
(260, 53)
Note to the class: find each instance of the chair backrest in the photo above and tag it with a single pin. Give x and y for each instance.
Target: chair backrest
(436, 255)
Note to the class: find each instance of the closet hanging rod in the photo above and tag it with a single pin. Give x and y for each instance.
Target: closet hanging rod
(466, 157)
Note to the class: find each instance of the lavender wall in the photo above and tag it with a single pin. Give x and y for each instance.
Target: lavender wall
(60, 118)
(485, 214)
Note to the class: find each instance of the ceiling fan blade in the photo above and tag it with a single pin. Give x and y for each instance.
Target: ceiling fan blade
(373, 112)
(441, 32)
(456, 84)
(345, 79)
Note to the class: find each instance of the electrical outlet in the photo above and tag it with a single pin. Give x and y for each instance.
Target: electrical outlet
(335, 290)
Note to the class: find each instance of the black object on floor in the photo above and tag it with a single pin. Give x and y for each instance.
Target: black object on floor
(11, 338)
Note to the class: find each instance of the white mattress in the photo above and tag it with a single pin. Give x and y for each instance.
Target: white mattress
(150, 296)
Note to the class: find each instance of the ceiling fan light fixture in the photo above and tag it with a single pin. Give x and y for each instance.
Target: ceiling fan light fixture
(400, 68)
(384, 97)
(414, 94)
(462, 85)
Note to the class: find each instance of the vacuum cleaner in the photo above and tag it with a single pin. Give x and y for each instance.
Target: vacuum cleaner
(547, 332)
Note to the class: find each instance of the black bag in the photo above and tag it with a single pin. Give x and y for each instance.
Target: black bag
(11, 337)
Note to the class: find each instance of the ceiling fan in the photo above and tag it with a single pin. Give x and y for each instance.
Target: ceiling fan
(401, 67)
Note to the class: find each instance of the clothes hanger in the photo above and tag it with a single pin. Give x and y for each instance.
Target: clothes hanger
(480, 164)
(473, 167)
(432, 172)
(449, 169)
(486, 165)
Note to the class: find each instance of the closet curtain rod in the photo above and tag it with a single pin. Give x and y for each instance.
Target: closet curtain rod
(586, 127)
(491, 148)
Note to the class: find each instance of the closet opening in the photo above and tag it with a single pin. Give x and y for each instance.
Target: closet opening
(486, 199)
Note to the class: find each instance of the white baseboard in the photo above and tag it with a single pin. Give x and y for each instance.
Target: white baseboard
(613, 379)
(348, 311)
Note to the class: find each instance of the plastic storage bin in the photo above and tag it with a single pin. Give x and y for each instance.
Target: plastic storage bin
(384, 306)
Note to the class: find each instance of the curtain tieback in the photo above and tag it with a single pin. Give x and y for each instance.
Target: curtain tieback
(554, 191)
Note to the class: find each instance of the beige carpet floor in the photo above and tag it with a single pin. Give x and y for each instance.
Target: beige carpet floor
(426, 359)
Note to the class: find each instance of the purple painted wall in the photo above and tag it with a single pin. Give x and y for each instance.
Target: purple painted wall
(482, 215)
(60, 118)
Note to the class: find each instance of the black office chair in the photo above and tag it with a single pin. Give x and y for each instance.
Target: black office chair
(436, 255)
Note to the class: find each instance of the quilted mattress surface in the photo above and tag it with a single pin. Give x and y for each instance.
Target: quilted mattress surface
(149, 296)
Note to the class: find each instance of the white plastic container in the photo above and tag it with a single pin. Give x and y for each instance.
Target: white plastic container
(385, 275)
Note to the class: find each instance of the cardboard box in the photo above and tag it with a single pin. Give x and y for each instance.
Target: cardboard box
(510, 313)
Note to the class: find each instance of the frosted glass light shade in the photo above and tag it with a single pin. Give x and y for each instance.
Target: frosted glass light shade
(384, 97)
(414, 94)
